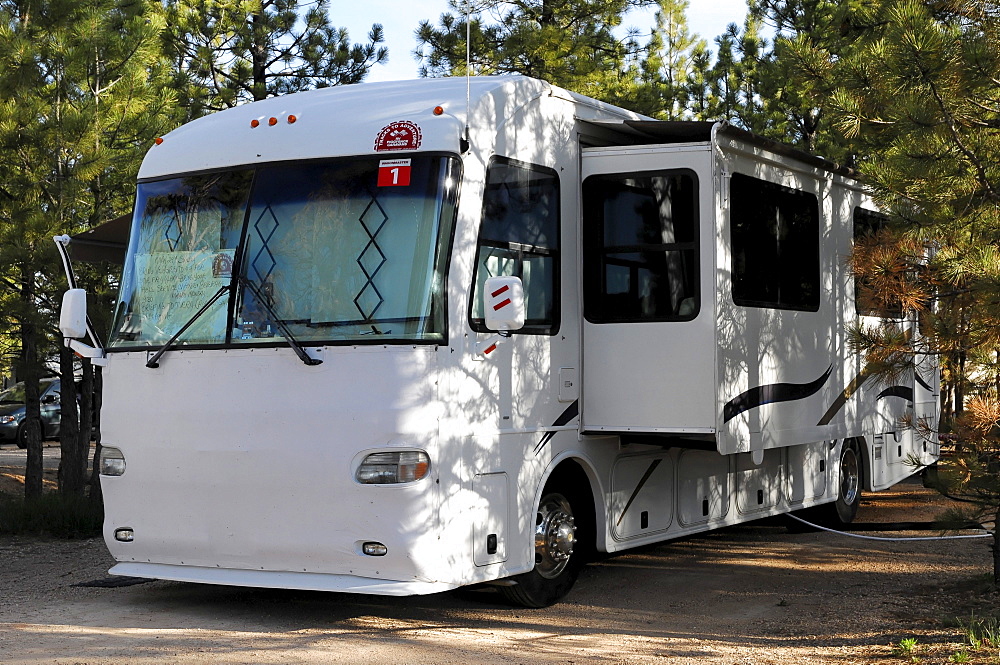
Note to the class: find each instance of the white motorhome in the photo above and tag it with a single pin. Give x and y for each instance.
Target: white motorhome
(396, 338)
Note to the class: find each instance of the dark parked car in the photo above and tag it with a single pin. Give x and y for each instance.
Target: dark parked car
(12, 412)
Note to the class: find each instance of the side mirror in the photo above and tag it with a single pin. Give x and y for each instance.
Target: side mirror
(504, 306)
(73, 315)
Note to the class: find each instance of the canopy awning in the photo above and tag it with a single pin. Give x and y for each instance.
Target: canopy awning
(104, 243)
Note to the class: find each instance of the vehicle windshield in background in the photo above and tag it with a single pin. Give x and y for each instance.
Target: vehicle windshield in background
(338, 250)
(13, 395)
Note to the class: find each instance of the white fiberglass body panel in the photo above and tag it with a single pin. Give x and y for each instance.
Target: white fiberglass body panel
(252, 466)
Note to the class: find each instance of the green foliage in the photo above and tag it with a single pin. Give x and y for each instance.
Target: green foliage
(81, 97)
(981, 632)
(787, 88)
(673, 72)
(566, 42)
(906, 647)
(51, 514)
(228, 52)
(919, 96)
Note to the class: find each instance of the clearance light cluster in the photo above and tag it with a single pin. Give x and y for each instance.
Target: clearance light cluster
(272, 121)
(393, 468)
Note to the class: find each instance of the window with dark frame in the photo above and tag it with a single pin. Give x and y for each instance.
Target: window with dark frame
(640, 247)
(870, 223)
(775, 245)
(519, 236)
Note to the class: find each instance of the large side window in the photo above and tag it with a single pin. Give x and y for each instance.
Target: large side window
(867, 225)
(640, 247)
(519, 236)
(775, 234)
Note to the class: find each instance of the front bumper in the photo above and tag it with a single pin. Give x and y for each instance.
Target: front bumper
(280, 579)
(8, 431)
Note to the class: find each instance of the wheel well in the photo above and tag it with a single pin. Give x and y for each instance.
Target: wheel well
(570, 478)
(866, 461)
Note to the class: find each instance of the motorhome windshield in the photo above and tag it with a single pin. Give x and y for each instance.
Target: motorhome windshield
(343, 250)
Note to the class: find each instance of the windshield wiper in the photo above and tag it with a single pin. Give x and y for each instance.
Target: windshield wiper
(282, 328)
(153, 362)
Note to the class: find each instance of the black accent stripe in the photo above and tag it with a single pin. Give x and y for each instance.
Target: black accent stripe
(775, 392)
(921, 381)
(897, 391)
(842, 398)
(571, 412)
(645, 477)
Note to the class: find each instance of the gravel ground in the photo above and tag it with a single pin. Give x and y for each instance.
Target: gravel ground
(750, 594)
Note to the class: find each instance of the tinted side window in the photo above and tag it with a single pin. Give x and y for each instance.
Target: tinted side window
(775, 234)
(640, 247)
(519, 236)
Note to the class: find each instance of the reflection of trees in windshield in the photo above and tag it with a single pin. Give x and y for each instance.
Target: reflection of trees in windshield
(182, 255)
(329, 252)
(332, 249)
(198, 212)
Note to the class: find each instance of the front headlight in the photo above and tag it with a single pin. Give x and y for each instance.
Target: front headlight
(5, 420)
(112, 461)
(392, 468)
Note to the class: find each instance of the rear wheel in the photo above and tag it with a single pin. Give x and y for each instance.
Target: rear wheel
(841, 512)
(844, 509)
(559, 552)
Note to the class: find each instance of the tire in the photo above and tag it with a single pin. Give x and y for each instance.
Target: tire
(22, 437)
(845, 508)
(841, 512)
(562, 538)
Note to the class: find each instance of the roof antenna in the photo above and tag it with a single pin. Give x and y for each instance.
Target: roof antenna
(465, 142)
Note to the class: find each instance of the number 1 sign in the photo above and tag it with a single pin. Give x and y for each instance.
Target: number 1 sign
(394, 173)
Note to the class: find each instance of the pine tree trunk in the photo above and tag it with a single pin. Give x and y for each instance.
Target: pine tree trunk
(29, 372)
(86, 420)
(96, 497)
(70, 472)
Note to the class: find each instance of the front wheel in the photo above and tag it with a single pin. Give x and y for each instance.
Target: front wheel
(558, 554)
(22, 436)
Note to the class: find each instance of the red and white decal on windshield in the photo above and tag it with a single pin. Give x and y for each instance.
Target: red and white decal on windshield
(394, 173)
(402, 135)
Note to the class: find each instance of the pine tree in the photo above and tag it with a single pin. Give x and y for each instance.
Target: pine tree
(921, 98)
(666, 73)
(79, 102)
(228, 52)
(570, 43)
(788, 87)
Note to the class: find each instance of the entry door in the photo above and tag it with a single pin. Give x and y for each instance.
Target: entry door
(648, 290)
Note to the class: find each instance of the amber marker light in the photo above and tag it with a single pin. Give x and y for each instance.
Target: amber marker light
(158, 140)
(292, 119)
(255, 123)
(438, 110)
(272, 121)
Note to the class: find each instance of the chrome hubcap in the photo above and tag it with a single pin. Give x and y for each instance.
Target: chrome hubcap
(850, 475)
(555, 535)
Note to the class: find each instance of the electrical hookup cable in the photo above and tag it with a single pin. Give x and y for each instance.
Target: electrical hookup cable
(988, 534)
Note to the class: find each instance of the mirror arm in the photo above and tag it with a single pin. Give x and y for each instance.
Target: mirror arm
(96, 352)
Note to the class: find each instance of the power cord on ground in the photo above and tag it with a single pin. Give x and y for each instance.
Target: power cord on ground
(988, 533)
